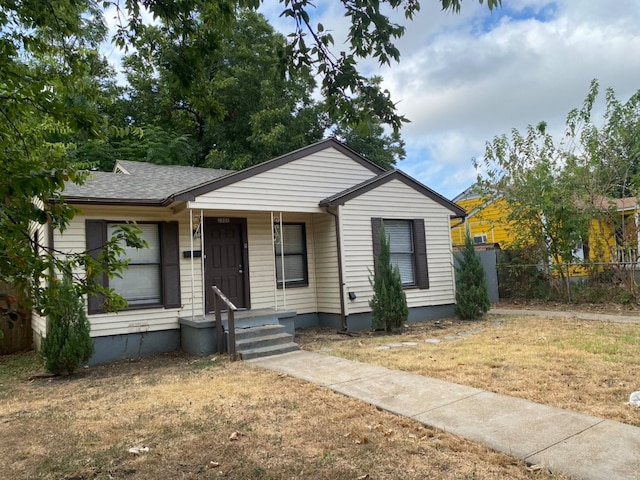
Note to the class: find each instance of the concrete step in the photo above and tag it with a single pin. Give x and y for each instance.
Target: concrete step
(245, 333)
(262, 341)
(268, 351)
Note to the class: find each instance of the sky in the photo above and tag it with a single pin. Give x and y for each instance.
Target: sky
(465, 78)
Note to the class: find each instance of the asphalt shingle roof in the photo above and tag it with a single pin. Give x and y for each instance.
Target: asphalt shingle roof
(140, 182)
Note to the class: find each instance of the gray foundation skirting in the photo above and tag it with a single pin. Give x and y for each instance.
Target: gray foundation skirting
(134, 345)
(199, 338)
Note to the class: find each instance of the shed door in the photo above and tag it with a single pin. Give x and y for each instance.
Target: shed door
(224, 264)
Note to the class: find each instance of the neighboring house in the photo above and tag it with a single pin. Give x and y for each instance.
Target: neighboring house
(485, 220)
(297, 233)
(613, 237)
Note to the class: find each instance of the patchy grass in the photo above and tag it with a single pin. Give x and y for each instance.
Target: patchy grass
(585, 366)
(209, 418)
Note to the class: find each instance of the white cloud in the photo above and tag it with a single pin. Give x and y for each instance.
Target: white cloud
(463, 80)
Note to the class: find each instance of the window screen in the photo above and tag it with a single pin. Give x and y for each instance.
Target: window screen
(141, 282)
(400, 233)
(294, 251)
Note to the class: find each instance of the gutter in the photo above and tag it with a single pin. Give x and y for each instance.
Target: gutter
(343, 317)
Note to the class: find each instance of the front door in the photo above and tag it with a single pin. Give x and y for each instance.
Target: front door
(224, 264)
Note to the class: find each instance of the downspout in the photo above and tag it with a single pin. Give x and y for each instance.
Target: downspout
(343, 317)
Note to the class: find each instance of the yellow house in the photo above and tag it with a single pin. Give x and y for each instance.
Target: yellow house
(614, 237)
(486, 220)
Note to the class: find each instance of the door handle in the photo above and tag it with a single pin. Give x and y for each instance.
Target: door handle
(240, 269)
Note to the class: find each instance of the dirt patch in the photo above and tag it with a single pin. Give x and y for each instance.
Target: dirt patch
(610, 308)
(192, 418)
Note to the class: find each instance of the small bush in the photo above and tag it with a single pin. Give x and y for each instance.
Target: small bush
(68, 343)
(389, 303)
(472, 298)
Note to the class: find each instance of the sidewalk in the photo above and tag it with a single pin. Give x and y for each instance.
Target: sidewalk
(582, 446)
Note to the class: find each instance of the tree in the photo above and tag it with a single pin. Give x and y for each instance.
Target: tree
(49, 60)
(47, 89)
(472, 298)
(556, 189)
(68, 342)
(389, 308)
(309, 48)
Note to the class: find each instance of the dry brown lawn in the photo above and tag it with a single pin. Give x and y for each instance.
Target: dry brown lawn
(585, 366)
(209, 418)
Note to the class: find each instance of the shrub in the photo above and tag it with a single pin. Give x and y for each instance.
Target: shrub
(389, 303)
(472, 298)
(68, 342)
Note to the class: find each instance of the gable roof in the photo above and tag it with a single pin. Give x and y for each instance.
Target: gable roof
(342, 197)
(138, 183)
(148, 184)
(233, 177)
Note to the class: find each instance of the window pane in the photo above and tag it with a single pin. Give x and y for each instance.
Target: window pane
(293, 239)
(404, 262)
(400, 235)
(139, 285)
(142, 255)
(294, 255)
(141, 282)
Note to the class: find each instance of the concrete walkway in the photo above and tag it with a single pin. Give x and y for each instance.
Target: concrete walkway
(582, 446)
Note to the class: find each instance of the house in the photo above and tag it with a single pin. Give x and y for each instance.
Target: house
(294, 234)
(614, 233)
(485, 220)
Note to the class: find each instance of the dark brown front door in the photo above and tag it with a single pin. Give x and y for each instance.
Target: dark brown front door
(224, 264)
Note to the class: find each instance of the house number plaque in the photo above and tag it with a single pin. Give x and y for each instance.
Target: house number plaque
(223, 220)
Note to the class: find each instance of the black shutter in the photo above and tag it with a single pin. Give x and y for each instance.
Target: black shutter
(170, 255)
(376, 223)
(420, 253)
(96, 235)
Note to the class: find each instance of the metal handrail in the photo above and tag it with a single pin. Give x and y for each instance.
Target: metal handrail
(231, 308)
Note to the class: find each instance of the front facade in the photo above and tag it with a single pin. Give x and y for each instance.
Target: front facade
(296, 234)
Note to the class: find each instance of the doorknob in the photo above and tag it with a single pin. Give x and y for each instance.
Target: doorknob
(239, 268)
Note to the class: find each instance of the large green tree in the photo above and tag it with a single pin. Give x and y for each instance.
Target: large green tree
(47, 91)
(52, 98)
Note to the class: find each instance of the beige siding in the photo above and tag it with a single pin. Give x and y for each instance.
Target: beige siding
(396, 200)
(38, 322)
(133, 321)
(297, 186)
(327, 279)
(262, 266)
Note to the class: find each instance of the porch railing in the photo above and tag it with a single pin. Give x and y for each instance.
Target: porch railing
(219, 299)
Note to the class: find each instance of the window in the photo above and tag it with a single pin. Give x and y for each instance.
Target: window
(407, 242)
(153, 276)
(480, 239)
(141, 283)
(291, 249)
(400, 233)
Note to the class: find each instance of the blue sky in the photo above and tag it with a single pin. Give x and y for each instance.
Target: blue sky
(464, 79)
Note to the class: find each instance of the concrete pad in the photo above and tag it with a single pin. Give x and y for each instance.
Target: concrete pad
(607, 451)
(405, 393)
(320, 369)
(511, 425)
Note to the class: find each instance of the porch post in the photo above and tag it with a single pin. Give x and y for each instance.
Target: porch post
(202, 257)
(284, 277)
(193, 306)
(275, 273)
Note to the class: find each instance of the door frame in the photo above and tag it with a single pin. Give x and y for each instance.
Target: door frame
(244, 247)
